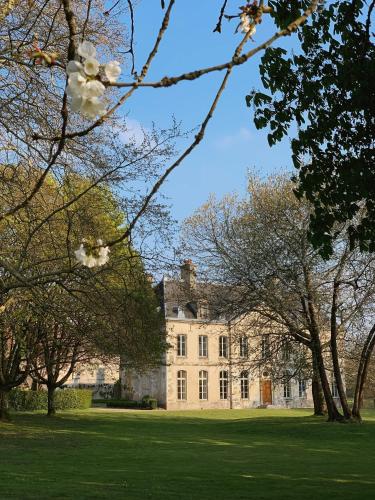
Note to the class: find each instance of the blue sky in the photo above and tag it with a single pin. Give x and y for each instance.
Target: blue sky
(232, 145)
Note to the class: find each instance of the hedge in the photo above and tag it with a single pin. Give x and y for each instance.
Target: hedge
(66, 399)
(146, 403)
(123, 403)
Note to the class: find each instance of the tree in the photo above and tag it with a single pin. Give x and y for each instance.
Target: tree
(19, 335)
(60, 99)
(327, 90)
(66, 318)
(259, 248)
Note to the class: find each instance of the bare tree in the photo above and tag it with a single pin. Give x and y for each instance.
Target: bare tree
(259, 249)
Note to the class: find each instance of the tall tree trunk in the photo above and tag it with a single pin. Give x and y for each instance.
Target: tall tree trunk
(51, 401)
(335, 354)
(320, 407)
(333, 413)
(4, 408)
(362, 374)
(316, 346)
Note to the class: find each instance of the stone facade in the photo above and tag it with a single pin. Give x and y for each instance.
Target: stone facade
(98, 376)
(203, 371)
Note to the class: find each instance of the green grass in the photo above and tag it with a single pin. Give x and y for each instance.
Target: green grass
(239, 454)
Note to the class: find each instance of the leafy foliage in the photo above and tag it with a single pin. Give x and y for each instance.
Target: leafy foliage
(67, 399)
(328, 91)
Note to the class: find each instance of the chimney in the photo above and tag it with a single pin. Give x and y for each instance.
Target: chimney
(149, 278)
(188, 273)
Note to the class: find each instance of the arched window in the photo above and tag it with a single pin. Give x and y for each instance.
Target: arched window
(244, 379)
(223, 382)
(181, 385)
(203, 384)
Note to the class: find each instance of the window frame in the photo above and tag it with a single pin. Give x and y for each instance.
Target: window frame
(334, 389)
(287, 387)
(244, 384)
(223, 346)
(265, 346)
(181, 385)
(181, 336)
(203, 346)
(203, 385)
(301, 388)
(223, 385)
(244, 346)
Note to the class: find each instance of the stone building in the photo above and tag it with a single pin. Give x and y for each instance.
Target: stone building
(209, 362)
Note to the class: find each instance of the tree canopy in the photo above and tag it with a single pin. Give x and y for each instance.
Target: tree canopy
(326, 88)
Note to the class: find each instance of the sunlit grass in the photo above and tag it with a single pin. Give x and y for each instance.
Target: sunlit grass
(239, 454)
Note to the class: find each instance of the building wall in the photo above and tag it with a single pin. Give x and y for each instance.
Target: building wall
(161, 383)
(96, 375)
(136, 385)
(192, 364)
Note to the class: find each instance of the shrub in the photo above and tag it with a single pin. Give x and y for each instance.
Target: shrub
(122, 403)
(22, 400)
(150, 403)
(67, 399)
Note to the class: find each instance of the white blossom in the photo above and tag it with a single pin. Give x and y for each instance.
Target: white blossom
(76, 104)
(76, 83)
(85, 87)
(91, 260)
(92, 107)
(91, 66)
(112, 71)
(73, 67)
(80, 254)
(93, 88)
(86, 49)
(247, 25)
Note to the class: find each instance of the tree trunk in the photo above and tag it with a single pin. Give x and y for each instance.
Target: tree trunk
(333, 414)
(320, 407)
(4, 409)
(335, 356)
(51, 402)
(362, 374)
(316, 347)
(339, 382)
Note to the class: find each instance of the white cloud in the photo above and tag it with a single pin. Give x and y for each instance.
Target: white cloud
(134, 132)
(239, 138)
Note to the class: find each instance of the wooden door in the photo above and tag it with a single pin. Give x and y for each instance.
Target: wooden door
(266, 392)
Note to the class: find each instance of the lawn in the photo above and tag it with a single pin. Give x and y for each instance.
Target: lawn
(238, 454)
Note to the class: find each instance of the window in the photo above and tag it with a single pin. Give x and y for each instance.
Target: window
(286, 351)
(302, 388)
(100, 376)
(181, 385)
(244, 385)
(76, 378)
(203, 385)
(223, 381)
(244, 347)
(223, 347)
(287, 387)
(203, 346)
(265, 346)
(335, 392)
(181, 345)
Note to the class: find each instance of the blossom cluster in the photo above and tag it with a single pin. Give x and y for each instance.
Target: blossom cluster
(247, 24)
(248, 18)
(92, 260)
(85, 87)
